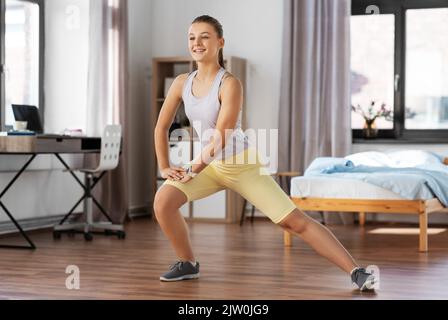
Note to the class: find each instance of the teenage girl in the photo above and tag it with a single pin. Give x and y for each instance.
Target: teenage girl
(213, 100)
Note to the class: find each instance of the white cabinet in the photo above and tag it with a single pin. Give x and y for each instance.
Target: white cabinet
(213, 206)
(224, 205)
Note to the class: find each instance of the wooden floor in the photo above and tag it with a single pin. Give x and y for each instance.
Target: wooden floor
(237, 263)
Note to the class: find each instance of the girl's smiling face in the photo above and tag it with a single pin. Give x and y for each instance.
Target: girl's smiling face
(203, 42)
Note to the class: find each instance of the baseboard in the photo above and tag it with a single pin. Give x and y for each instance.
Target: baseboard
(32, 224)
(140, 211)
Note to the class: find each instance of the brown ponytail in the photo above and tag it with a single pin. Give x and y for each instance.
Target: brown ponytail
(221, 58)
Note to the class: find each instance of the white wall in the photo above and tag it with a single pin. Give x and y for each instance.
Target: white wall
(66, 54)
(45, 190)
(39, 194)
(67, 72)
(140, 44)
(252, 30)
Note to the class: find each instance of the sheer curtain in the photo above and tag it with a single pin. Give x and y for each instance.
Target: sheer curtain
(314, 117)
(107, 94)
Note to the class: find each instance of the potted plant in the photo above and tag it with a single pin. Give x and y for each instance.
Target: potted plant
(370, 130)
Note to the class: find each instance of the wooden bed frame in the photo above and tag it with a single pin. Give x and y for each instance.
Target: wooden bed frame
(422, 208)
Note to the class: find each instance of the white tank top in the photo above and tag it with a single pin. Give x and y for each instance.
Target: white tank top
(203, 115)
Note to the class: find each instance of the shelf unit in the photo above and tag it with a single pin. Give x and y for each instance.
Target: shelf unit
(225, 206)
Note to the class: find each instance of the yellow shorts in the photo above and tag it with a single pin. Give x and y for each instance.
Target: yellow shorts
(244, 174)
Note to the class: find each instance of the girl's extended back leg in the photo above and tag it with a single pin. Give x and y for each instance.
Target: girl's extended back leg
(319, 238)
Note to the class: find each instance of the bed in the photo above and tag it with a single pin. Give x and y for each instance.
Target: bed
(335, 190)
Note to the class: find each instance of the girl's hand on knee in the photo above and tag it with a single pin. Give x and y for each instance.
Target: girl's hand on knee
(173, 174)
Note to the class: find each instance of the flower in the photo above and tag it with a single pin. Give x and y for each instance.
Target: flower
(372, 113)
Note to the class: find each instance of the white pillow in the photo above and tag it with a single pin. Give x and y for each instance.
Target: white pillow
(413, 158)
(396, 159)
(370, 158)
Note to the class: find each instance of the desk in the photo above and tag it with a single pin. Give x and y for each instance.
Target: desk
(35, 145)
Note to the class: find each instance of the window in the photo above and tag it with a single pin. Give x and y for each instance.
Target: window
(399, 58)
(372, 63)
(427, 69)
(22, 58)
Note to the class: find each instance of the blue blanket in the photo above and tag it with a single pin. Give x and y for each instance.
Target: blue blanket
(403, 181)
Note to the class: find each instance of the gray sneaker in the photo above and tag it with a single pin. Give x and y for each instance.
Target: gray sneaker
(181, 270)
(363, 279)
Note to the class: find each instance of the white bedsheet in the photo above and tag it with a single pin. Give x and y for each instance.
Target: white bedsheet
(323, 187)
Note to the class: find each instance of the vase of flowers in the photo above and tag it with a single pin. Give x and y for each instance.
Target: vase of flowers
(370, 131)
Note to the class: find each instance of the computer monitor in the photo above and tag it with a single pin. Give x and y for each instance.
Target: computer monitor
(29, 114)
